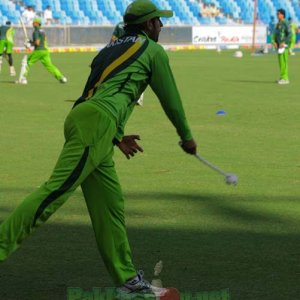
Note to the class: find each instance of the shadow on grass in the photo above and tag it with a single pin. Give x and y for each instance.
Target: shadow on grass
(150, 195)
(220, 205)
(8, 81)
(253, 265)
(252, 81)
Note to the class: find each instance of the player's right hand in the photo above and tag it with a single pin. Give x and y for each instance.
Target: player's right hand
(189, 146)
(129, 146)
(27, 44)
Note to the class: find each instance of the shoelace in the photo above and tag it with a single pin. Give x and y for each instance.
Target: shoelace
(138, 283)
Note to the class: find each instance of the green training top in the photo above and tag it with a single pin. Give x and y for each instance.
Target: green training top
(7, 33)
(39, 34)
(118, 31)
(121, 72)
(282, 33)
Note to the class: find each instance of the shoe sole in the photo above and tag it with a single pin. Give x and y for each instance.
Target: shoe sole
(159, 293)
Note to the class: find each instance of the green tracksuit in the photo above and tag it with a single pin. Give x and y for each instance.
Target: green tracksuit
(41, 53)
(6, 39)
(282, 34)
(294, 28)
(119, 75)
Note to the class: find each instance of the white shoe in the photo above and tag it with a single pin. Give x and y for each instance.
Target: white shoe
(138, 288)
(283, 81)
(22, 81)
(63, 80)
(12, 71)
(136, 284)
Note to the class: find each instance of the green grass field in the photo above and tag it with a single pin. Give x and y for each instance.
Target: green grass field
(209, 235)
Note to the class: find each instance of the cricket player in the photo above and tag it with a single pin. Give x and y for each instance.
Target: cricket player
(118, 31)
(281, 39)
(294, 28)
(40, 53)
(7, 33)
(119, 74)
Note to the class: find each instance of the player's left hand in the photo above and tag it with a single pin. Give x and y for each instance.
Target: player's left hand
(27, 44)
(129, 146)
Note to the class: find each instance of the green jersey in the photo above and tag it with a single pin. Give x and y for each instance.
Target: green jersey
(39, 35)
(118, 31)
(121, 72)
(7, 33)
(282, 33)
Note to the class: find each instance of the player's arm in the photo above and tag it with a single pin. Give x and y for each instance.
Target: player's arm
(288, 34)
(35, 39)
(273, 38)
(120, 130)
(127, 143)
(36, 42)
(163, 84)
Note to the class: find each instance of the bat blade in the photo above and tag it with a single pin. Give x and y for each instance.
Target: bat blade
(24, 29)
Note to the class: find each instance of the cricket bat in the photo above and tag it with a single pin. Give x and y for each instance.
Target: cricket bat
(24, 30)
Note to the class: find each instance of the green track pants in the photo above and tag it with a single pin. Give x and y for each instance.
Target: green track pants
(44, 57)
(86, 160)
(283, 64)
(293, 41)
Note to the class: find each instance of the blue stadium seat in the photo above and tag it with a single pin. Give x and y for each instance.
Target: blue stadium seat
(185, 11)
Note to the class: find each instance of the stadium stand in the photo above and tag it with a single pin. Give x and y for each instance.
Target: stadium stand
(187, 12)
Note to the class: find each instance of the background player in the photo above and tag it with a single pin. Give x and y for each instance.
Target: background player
(118, 31)
(294, 28)
(281, 39)
(7, 33)
(41, 53)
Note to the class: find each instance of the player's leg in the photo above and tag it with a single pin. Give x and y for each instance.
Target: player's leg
(105, 203)
(10, 59)
(72, 166)
(26, 65)
(78, 158)
(22, 79)
(46, 61)
(2, 47)
(34, 57)
(292, 44)
(283, 64)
